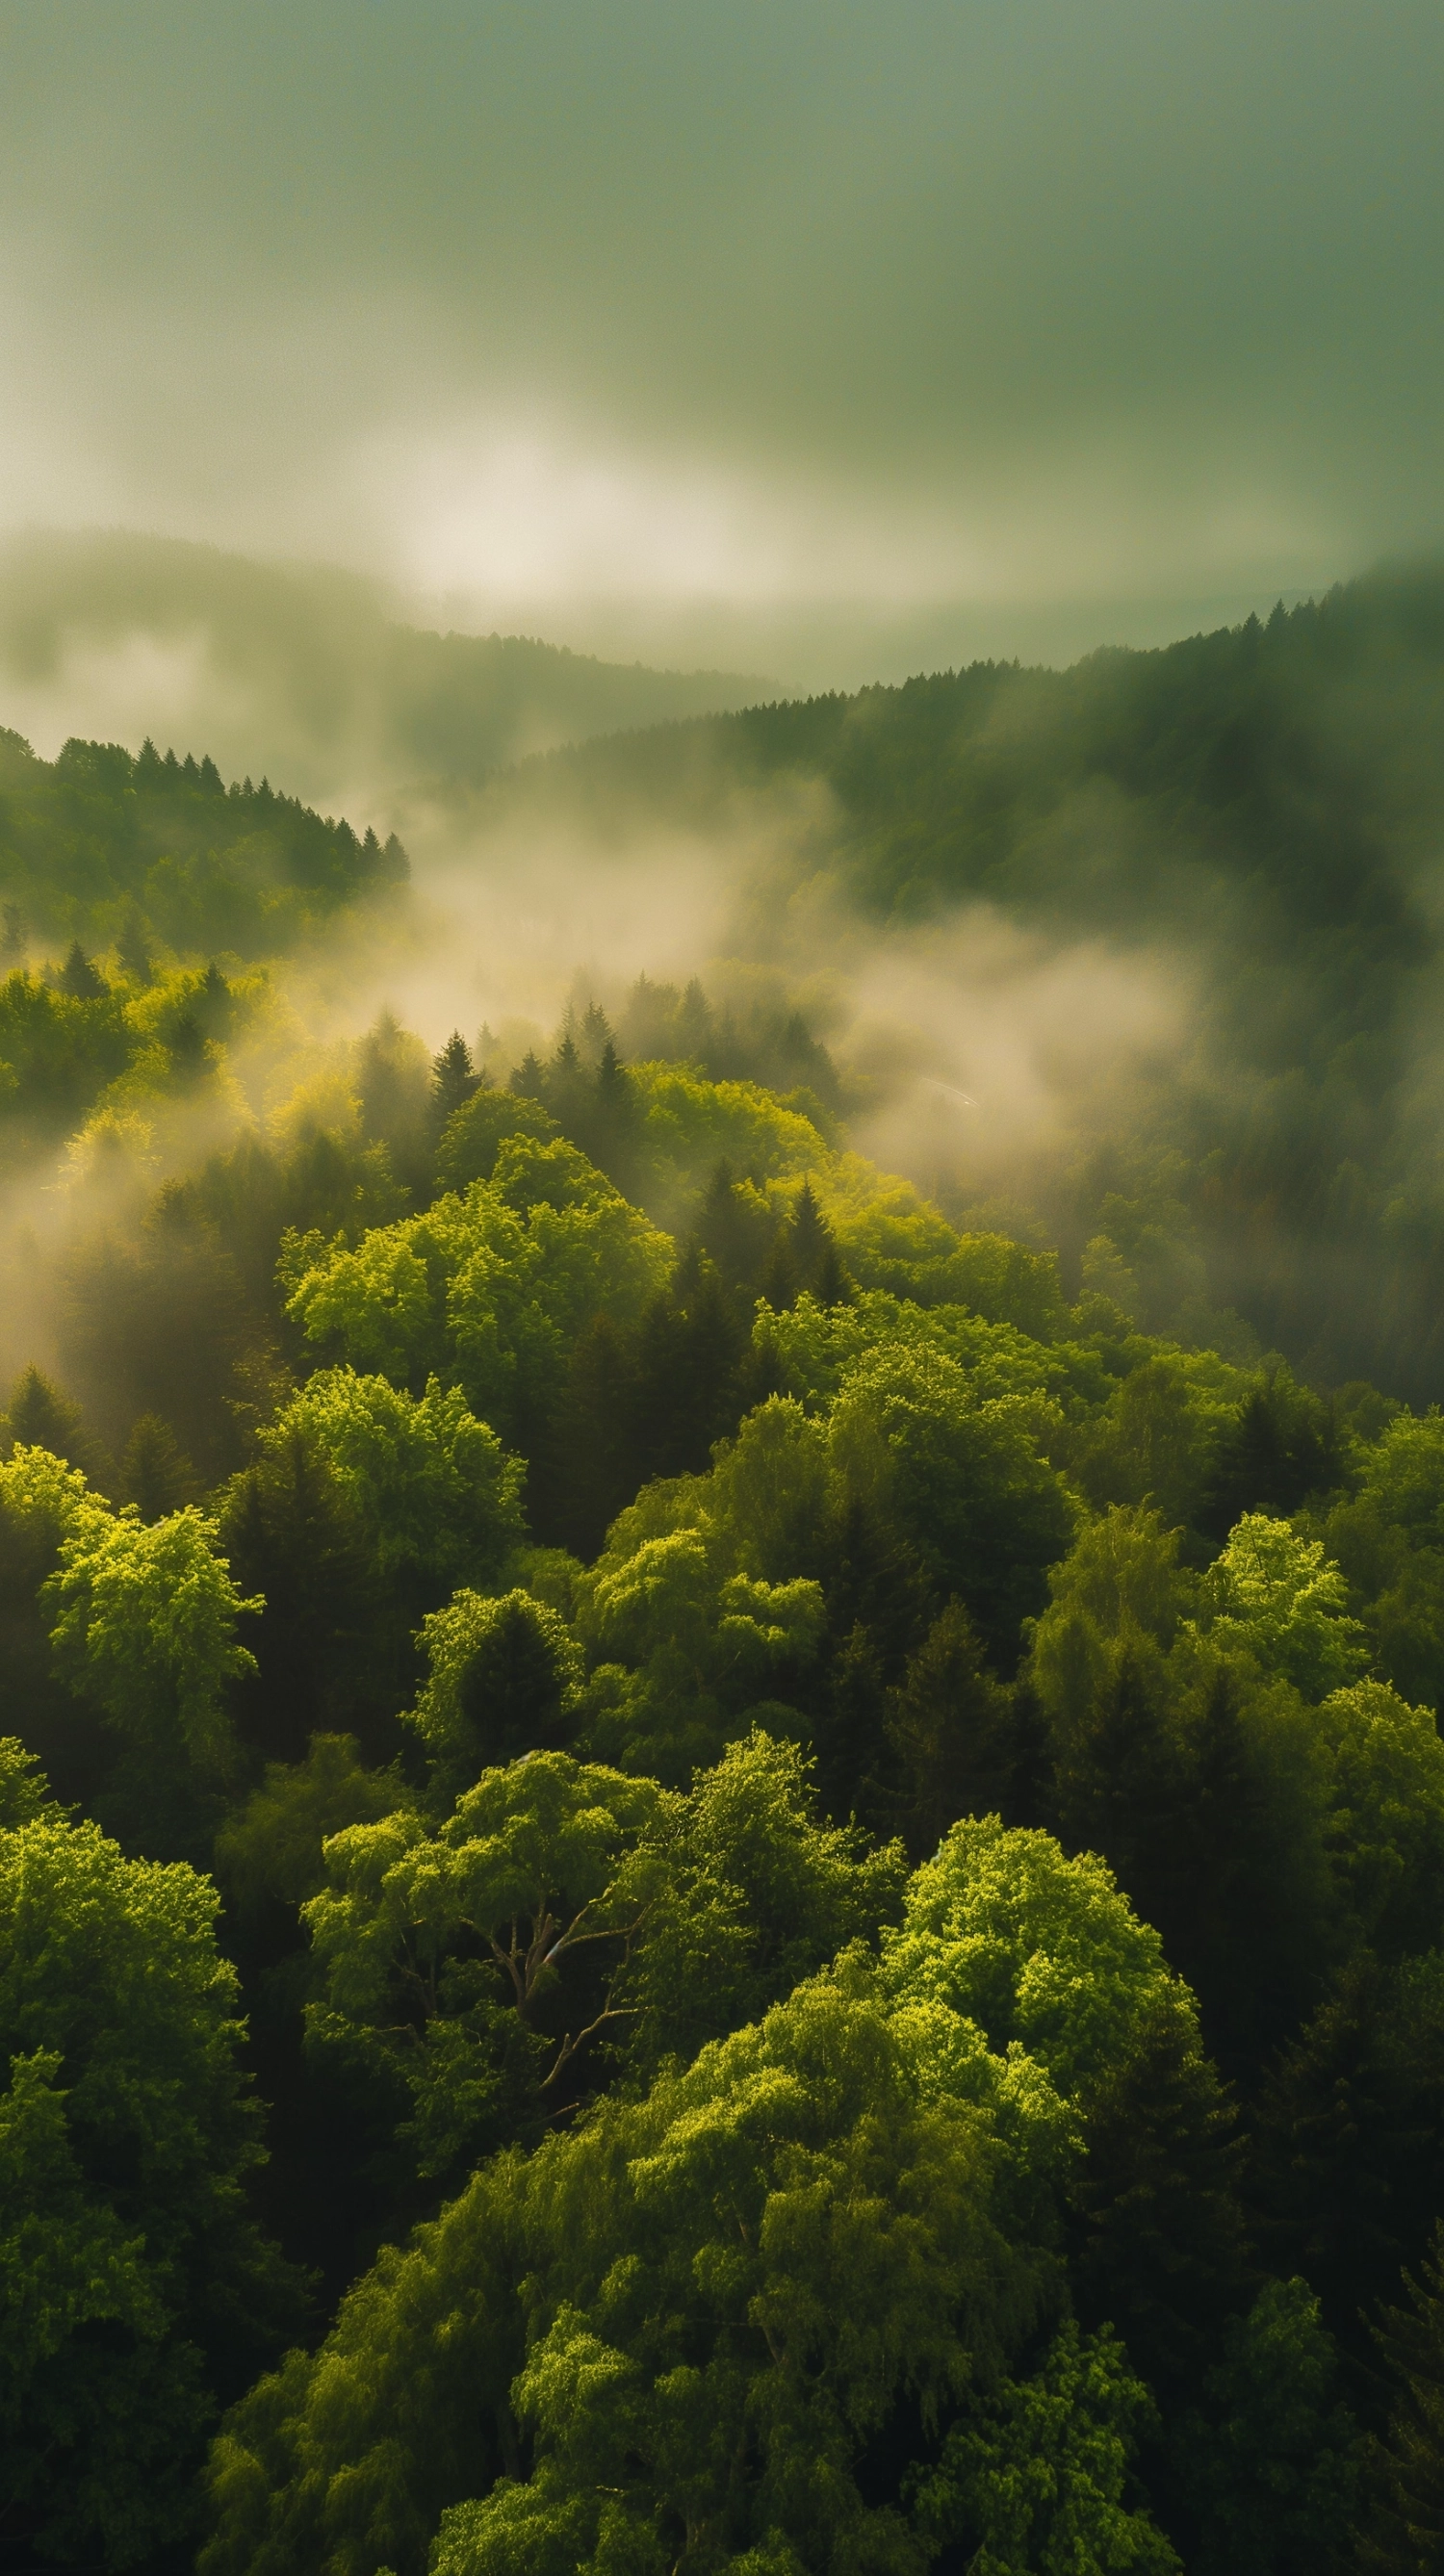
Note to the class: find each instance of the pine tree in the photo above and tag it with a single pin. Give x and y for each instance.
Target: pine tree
(1348, 2170)
(291, 1534)
(12, 937)
(454, 1079)
(41, 1417)
(591, 1468)
(611, 1137)
(854, 1764)
(1238, 1915)
(1121, 1785)
(1157, 2234)
(527, 1079)
(948, 1730)
(155, 1473)
(694, 1026)
(133, 948)
(187, 1045)
(80, 978)
(1406, 2534)
(780, 1282)
(811, 1236)
(733, 1228)
(831, 1285)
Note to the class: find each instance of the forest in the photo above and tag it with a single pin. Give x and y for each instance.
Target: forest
(712, 1859)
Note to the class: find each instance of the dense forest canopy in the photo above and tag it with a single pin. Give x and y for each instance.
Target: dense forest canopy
(1263, 807)
(709, 1862)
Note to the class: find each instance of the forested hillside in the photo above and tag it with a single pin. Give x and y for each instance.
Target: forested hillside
(318, 675)
(704, 1867)
(1264, 805)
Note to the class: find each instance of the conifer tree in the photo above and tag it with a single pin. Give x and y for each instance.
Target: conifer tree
(780, 1282)
(80, 977)
(453, 1079)
(1405, 2536)
(155, 1473)
(41, 1417)
(948, 1731)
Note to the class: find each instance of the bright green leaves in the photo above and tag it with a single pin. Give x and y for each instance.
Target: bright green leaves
(145, 1626)
(964, 1481)
(436, 1494)
(1277, 1596)
(750, 1895)
(1038, 2481)
(131, 2271)
(743, 2274)
(491, 1288)
(455, 1954)
(1033, 1947)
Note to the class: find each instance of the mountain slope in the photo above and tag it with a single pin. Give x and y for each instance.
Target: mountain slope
(300, 672)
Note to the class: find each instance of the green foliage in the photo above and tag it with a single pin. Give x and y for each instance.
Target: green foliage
(1387, 1821)
(269, 1852)
(504, 1676)
(489, 1288)
(1202, 1781)
(1406, 2530)
(143, 1627)
(748, 1894)
(436, 1498)
(1275, 1596)
(136, 2285)
(1039, 2481)
(477, 1128)
(964, 1480)
(445, 1950)
(98, 841)
(1272, 2471)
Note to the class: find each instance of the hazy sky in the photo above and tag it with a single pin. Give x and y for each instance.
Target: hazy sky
(809, 335)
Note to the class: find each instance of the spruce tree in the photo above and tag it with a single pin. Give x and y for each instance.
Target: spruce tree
(80, 978)
(948, 1730)
(811, 1236)
(155, 1473)
(454, 1079)
(591, 1468)
(1405, 2535)
(1157, 2236)
(39, 1416)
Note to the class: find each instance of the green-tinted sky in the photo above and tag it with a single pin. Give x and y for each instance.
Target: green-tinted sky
(778, 332)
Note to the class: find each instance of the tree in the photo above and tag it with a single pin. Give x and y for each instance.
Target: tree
(41, 1503)
(948, 1727)
(41, 1417)
(436, 1497)
(1270, 2465)
(1406, 2532)
(1276, 1595)
(155, 1473)
(1156, 2228)
(1348, 2167)
(1038, 2477)
(750, 1892)
(454, 1079)
(505, 1676)
(965, 1482)
(144, 1629)
(138, 2290)
(80, 978)
(448, 1954)
(478, 1127)
(298, 1536)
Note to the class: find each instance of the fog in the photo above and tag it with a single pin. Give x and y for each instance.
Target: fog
(827, 343)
